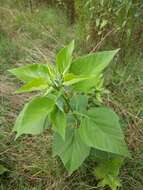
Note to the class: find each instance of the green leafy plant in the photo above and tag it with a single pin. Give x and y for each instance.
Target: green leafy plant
(79, 121)
(100, 21)
(107, 170)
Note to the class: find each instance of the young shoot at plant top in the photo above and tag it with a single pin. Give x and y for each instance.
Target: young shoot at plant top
(65, 102)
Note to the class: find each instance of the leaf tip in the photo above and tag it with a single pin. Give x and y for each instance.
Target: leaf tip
(16, 136)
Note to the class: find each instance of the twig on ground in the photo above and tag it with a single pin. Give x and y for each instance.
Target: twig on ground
(99, 44)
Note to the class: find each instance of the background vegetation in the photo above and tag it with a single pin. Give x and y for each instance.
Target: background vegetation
(32, 31)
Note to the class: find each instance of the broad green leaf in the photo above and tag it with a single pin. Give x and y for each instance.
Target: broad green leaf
(64, 58)
(86, 85)
(58, 119)
(2, 169)
(72, 151)
(35, 84)
(101, 129)
(32, 118)
(92, 64)
(102, 155)
(32, 71)
(79, 103)
(71, 79)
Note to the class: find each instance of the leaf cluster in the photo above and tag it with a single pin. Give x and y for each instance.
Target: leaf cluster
(63, 100)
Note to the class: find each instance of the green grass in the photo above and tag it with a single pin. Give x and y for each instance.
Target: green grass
(9, 52)
(29, 38)
(125, 85)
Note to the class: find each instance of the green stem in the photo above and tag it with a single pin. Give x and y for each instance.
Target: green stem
(81, 114)
(71, 109)
(65, 97)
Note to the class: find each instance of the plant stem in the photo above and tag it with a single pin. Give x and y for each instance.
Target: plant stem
(71, 109)
(65, 97)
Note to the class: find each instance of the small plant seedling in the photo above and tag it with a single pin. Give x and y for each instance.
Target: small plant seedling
(79, 123)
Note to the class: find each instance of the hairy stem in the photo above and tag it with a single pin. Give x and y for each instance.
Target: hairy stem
(71, 109)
